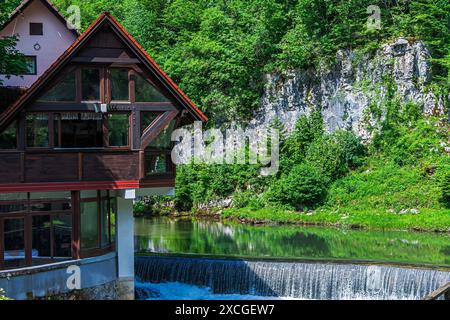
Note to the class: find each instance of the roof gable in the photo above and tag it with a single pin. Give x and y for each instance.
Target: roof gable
(77, 48)
(24, 5)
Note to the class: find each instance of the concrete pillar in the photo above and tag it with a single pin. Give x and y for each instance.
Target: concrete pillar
(125, 248)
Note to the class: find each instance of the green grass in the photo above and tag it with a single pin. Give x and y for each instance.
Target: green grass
(372, 198)
(426, 220)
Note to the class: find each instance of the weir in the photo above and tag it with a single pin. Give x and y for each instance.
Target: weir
(300, 280)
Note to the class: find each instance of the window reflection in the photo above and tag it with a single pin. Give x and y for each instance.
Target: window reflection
(90, 79)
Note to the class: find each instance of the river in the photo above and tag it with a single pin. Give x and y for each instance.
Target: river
(203, 259)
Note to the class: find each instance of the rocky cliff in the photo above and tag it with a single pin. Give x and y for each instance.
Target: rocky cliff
(345, 91)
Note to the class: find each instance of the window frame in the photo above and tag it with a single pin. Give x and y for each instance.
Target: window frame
(107, 127)
(49, 131)
(39, 26)
(34, 60)
(17, 123)
(99, 249)
(109, 91)
(27, 215)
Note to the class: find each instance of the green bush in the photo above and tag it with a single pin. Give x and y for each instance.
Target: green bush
(305, 186)
(445, 189)
(335, 155)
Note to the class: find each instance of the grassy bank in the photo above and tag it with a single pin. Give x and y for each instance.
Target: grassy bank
(426, 220)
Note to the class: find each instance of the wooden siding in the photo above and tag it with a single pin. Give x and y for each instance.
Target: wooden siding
(76, 166)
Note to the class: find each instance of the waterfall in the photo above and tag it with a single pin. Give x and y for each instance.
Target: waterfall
(301, 280)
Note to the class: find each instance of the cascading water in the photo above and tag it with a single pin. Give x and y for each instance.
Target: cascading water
(300, 280)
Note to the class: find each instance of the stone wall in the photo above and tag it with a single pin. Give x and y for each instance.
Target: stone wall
(345, 91)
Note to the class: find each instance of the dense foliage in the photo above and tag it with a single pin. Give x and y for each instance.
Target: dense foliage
(218, 51)
(11, 60)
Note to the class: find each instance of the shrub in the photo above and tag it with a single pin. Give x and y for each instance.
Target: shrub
(445, 189)
(304, 186)
(335, 155)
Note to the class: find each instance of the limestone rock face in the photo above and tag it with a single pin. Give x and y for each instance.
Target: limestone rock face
(345, 91)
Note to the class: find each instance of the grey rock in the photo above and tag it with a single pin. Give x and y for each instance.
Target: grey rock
(345, 91)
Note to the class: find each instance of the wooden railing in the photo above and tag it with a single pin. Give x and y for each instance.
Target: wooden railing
(68, 166)
(442, 291)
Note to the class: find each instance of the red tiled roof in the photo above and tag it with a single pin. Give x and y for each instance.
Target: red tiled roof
(9, 113)
(24, 4)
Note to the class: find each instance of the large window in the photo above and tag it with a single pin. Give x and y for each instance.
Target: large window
(119, 85)
(8, 138)
(147, 119)
(63, 90)
(37, 130)
(157, 154)
(146, 92)
(90, 79)
(118, 129)
(14, 242)
(97, 220)
(78, 130)
(48, 219)
(31, 62)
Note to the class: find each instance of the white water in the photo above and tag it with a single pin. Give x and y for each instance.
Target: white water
(236, 279)
(182, 291)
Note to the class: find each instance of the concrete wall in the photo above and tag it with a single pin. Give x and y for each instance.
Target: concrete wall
(125, 246)
(56, 39)
(50, 280)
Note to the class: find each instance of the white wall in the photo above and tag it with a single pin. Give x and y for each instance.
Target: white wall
(56, 39)
(125, 237)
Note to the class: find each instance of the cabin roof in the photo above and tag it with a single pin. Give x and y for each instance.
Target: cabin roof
(65, 58)
(25, 3)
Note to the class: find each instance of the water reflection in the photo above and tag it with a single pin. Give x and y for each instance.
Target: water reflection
(164, 235)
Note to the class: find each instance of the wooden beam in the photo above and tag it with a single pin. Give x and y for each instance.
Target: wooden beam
(105, 60)
(155, 128)
(135, 129)
(76, 223)
(444, 290)
(61, 107)
(28, 221)
(2, 240)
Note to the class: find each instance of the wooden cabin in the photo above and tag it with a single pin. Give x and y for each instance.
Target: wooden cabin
(91, 134)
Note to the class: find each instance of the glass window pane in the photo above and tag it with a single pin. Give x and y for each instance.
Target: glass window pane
(118, 126)
(31, 65)
(37, 130)
(41, 240)
(163, 140)
(146, 92)
(80, 130)
(14, 242)
(155, 164)
(62, 230)
(8, 138)
(147, 118)
(89, 225)
(7, 204)
(64, 90)
(113, 211)
(105, 222)
(119, 86)
(90, 79)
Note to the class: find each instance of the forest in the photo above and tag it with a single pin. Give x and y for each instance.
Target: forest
(219, 51)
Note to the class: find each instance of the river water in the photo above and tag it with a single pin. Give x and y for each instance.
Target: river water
(203, 259)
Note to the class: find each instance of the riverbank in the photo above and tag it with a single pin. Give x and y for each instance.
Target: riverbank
(423, 220)
(412, 220)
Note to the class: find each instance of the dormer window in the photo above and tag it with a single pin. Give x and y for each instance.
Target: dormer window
(36, 29)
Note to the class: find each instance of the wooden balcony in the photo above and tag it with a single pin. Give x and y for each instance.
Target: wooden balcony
(77, 168)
